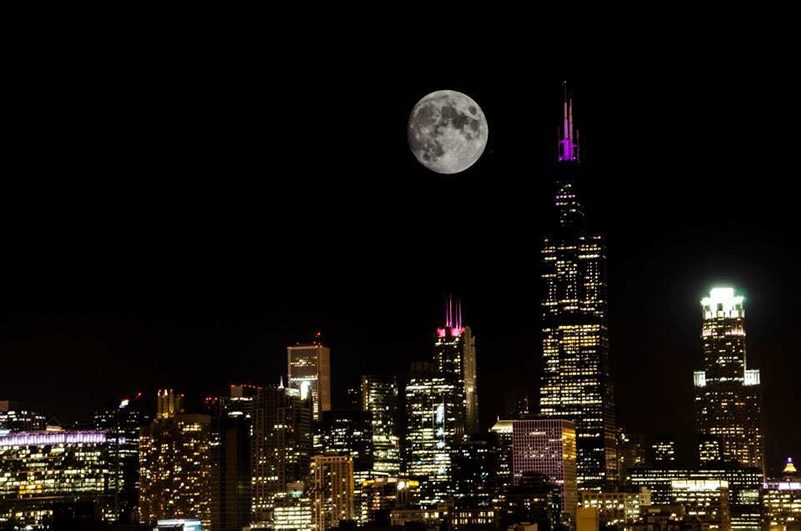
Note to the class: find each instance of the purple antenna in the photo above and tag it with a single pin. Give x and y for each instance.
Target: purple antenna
(568, 137)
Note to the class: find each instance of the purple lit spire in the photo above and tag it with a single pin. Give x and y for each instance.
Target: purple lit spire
(568, 137)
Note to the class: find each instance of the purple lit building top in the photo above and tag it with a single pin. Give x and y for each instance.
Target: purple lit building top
(568, 136)
(43, 438)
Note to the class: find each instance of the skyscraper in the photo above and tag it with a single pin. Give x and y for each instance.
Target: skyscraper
(431, 428)
(175, 464)
(728, 394)
(576, 381)
(332, 485)
(379, 396)
(123, 424)
(310, 372)
(280, 448)
(350, 432)
(547, 447)
(455, 359)
(475, 463)
(231, 480)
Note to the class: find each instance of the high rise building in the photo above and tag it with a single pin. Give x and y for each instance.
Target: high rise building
(310, 372)
(547, 447)
(455, 360)
(475, 462)
(230, 479)
(175, 464)
(431, 429)
(350, 432)
(379, 396)
(40, 470)
(728, 393)
(123, 424)
(281, 447)
(576, 383)
(332, 485)
(16, 417)
(502, 430)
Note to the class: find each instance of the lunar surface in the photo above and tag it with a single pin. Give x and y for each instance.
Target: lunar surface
(447, 131)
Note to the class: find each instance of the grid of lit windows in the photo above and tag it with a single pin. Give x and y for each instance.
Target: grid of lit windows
(38, 469)
(576, 381)
(332, 488)
(548, 447)
(432, 420)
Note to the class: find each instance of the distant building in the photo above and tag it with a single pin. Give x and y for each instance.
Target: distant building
(231, 425)
(310, 372)
(384, 494)
(616, 508)
(40, 471)
(429, 516)
(15, 417)
(503, 477)
(547, 447)
(175, 464)
(280, 448)
(534, 499)
(662, 451)
(744, 498)
(123, 424)
(332, 487)
(630, 453)
(350, 432)
(379, 395)
(431, 429)
(293, 508)
(782, 499)
(455, 360)
(475, 464)
(728, 393)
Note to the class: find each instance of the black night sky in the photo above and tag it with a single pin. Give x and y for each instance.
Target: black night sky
(176, 213)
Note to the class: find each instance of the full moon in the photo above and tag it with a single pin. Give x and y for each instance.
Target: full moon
(447, 131)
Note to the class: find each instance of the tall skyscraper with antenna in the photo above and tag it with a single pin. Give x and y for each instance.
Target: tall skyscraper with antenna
(455, 359)
(577, 383)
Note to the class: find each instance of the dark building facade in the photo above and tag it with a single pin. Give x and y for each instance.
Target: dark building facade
(123, 424)
(475, 463)
(231, 424)
(576, 382)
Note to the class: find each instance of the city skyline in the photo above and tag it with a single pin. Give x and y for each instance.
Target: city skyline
(104, 330)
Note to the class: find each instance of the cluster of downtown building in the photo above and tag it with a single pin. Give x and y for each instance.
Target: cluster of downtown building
(410, 452)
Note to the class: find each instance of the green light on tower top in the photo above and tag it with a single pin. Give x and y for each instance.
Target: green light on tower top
(722, 302)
